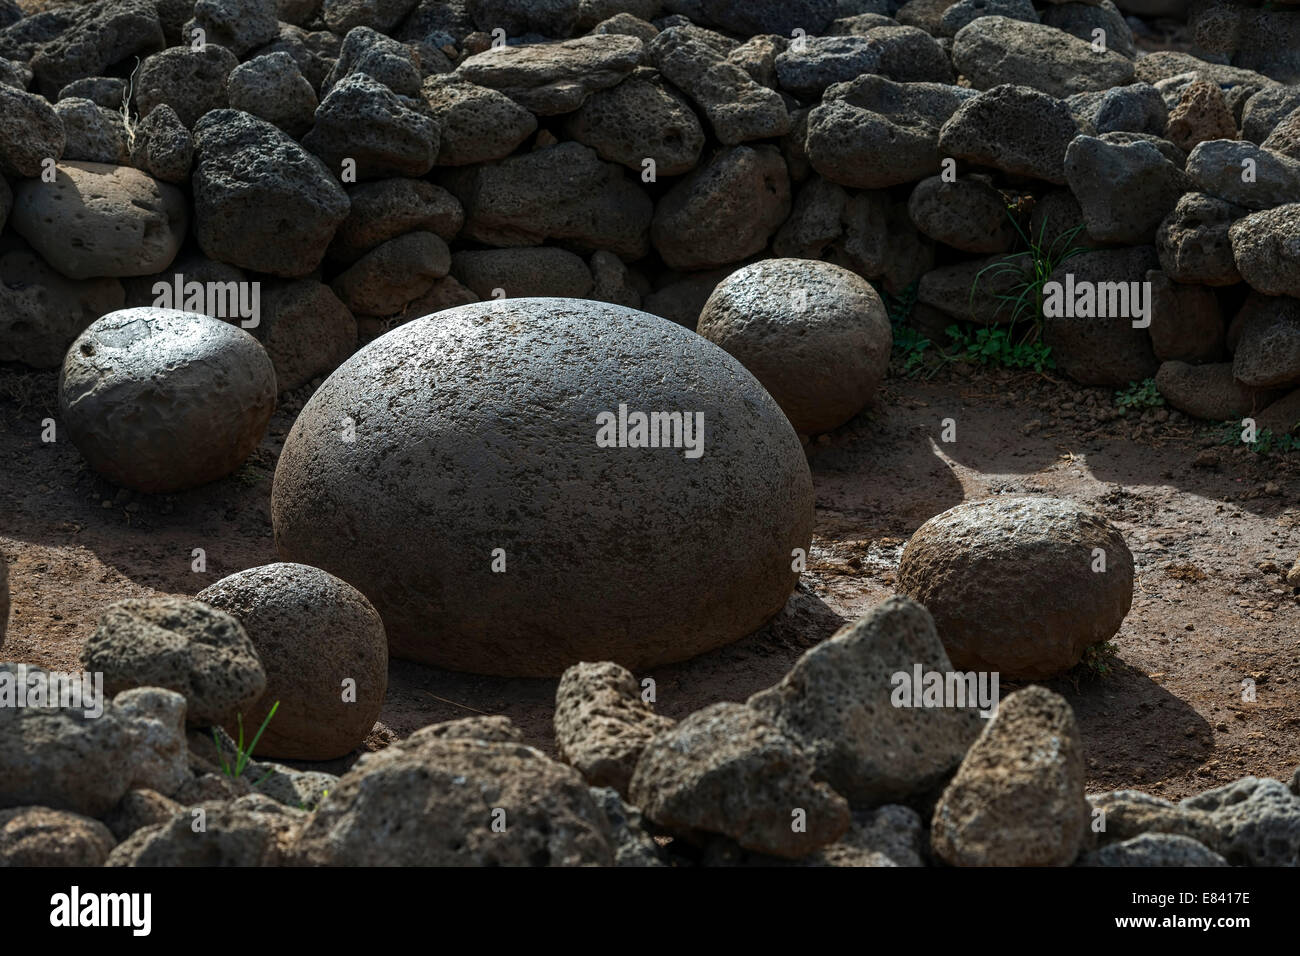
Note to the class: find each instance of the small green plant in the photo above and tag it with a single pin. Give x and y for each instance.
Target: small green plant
(1025, 294)
(1140, 395)
(1267, 442)
(996, 346)
(241, 756)
(1100, 660)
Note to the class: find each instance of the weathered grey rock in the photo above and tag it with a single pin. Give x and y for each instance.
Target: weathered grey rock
(637, 120)
(601, 723)
(495, 729)
(873, 132)
(1084, 19)
(393, 274)
(680, 298)
(523, 273)
(261, 201)
(382, 15)
(272, 87)
(305, 329)
(1186, 321)
(43, 311)
(737, 108)
(383, 133)
(1285, 138)
(891, 835)
(727, 769)
(315, 52)
(30, 132)
(387, 208)
(1165, 64)
(880, 242)
(240, 26)
(839, 703)
(552, 18)
(562, 193)
(448, 793)
(253, 830)
(162, 146)
(688, 598)
(159, 401)
(1012, 128)
(1125, 191)
(724, 211)
(1103, 349)
(816, 336)
(1123, 815)
(1266, 248)
(198, 651)
(92, 133)
(912, 55)
(65, 758)
(757, 57)
(807, 70)
(93, 37)
(612, 281)
(1282, 417)
(959, 14)
(138, 809)
(381, 58)
(967, 214)
(39, 836)
(325, 653)
(1266, 109)
(192, 82)
(552, 78)
(633, 846)
(1062, 603)
(992, 51)
(1245, 174)
(749, 17)
(97, 219)
(4, 598)
(105, 91)
(592, 13)
(1136, 108)
(814, 221)
(1017, 799)
(1155, 849)
(1268, 347)
(1194, 244)
(1257, 822)
(1209, 392)
(478, 125)
(974, 290)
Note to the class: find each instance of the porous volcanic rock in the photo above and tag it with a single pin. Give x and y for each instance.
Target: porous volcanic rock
(1014, 583)
(39, 836)
(326, 657)
(815, 334)
(467, 440)
(159, 400)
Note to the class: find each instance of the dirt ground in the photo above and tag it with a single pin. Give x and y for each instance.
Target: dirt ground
(1213, 531)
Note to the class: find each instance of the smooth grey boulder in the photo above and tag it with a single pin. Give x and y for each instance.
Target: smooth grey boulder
(816, 335)
(190, 647)
(70, 758)
(98, 220)
(325, 654)
(839, 703)
(160, 401)
(415, 514)
(1012, 128)
(1063, 603)
(1017, 799)
(261, 201)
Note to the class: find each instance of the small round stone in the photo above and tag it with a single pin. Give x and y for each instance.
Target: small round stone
(815, 334)
(325, 653)
(198, 651)
(39, 836)
(160, 401)
(486, 477)
(1019, 585)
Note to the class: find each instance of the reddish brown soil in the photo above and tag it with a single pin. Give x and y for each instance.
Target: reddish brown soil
(1212, 533)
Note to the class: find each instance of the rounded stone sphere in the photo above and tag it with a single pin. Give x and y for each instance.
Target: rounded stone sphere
(1019, 585)
(815, 334)
(323, 647)
(523, 484)
(160, 401)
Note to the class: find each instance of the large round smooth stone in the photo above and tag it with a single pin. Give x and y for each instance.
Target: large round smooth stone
(160, 401)
(457, 472)
(815, 334)
(1019, 585)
